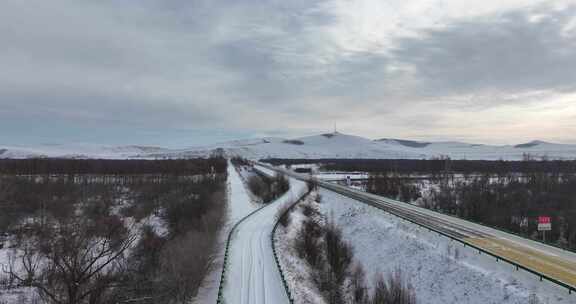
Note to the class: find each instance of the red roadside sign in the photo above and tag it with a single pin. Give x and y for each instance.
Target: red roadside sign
(543, 220)
(544, 223)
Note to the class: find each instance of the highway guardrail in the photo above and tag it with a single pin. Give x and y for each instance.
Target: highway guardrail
(372, 202)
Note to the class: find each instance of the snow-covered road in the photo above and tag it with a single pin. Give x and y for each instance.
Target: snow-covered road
(252, 276)
(239, 205)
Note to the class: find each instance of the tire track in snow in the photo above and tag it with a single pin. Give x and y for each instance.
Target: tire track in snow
(252, 276)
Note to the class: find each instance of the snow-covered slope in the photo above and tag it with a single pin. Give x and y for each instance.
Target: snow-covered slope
(332, 145)
(338, 145)
(439, 271)
(78, 151)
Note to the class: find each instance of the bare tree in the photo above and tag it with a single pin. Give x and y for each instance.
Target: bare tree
(71, 265)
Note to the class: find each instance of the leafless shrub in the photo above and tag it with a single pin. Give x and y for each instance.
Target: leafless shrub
(239, 161)
(184, 262)
(533, 299)
(334, 273)
(283, 215)
(280, 184)
(358, 285)
(76, 266)
(339, 257)
(307, 242)
(257, 186)
(393, 290)
(73, 249)
(312, 184)
(268, 188)
(309, 211)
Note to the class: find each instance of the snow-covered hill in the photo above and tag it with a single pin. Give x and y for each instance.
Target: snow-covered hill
(77, 151)
(338, 145)
(331, 145)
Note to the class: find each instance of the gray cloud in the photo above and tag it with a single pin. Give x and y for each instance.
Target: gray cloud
(253, 66)
(507, 53)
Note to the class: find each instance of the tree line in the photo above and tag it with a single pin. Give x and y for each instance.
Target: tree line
(41, 166)
(96, 243)
(265, 188)
(513, 203)
(508, 201)
(433, 165)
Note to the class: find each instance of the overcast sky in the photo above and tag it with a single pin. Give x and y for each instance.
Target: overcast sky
(188, 72)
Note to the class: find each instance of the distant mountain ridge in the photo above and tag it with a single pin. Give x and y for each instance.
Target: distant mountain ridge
(329, 145)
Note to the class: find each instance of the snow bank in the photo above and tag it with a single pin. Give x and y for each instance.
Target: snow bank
(440, 271)
(296, 270)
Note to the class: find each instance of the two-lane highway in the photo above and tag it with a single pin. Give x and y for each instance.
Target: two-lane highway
(548, 261)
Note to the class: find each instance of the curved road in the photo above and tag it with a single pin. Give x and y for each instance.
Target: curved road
(252, 276)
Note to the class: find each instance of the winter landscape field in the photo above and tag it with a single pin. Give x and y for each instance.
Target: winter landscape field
(288, 152)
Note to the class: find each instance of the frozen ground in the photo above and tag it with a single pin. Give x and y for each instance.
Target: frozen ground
(440, 271)
(252, 276)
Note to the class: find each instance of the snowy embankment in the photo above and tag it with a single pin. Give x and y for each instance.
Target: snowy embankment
(439, 270)
(296, 271)
(239, 205)
(252, 275)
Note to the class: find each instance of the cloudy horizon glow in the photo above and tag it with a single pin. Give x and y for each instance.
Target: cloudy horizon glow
(182, 73)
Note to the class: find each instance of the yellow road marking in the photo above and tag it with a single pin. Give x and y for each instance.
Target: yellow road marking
(552, 266)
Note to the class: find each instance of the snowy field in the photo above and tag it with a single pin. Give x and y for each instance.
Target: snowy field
(440, 271)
